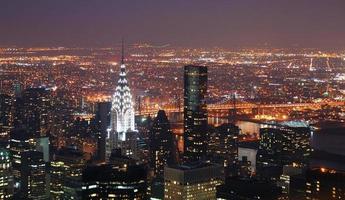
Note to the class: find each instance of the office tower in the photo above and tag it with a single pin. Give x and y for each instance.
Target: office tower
(103, 123)
(28, 154)
(198, 181)
(161, 144)
(6, 177)
(34, 184)
(66, 174)
(122, 132)
(19, 143)
(195, 113)
(33, 111)
(285, 177)
(318, 184)
(6, 105)
(223, 144)
(121, 180)
(324, 177)
(283, 145)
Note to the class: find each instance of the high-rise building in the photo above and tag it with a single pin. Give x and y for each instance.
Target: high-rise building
(6, 105)
(20, 147)
(191, 182)
(223, 144)
(161, 144)
(283, 145)
(6, 177)
(103, 123)
(195, 112)
(66, 174)
(19, 143)
(115, 181)
(122, 133)
(34, 184)
(318, 184)
(32, 111)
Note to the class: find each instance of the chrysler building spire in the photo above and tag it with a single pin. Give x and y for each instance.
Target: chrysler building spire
(122, 109)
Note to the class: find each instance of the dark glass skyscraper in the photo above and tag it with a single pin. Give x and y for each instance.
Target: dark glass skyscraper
(195, 113)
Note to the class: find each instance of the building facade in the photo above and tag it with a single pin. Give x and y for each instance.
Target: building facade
(115, 181)
(195, 112)
(192, 182)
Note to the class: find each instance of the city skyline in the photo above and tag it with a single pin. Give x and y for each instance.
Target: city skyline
(226, 99)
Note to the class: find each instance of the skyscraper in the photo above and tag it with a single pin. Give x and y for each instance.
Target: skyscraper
(195, 113)
(6, 178)
(122, 125)
(66, 174)
(34, 184)
(161, 143)
(103, 122)
(6, 104)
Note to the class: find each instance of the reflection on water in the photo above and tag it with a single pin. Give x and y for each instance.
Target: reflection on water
(251, 129)
(247, 128)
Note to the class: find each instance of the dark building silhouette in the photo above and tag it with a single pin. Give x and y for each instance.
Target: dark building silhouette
(161, 143)
(245, 189)
(103, 123)
(318, 184)
(115, 181)
(33, 111)
(6, 105)
(195, 113)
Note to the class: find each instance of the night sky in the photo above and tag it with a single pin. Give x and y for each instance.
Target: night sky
(189, 23)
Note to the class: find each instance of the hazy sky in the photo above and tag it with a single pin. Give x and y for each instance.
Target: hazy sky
(227, 23)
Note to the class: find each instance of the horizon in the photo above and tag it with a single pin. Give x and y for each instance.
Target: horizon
(202, 23)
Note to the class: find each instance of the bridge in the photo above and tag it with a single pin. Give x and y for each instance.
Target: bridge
(227, 106)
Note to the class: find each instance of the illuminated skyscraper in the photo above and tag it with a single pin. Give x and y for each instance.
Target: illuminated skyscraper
(6, 104)
(122, 127)
(195, 113)
(6, 178)
(34, 176)
(66, 174)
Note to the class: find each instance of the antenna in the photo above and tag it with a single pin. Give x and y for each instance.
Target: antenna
(123, 52)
